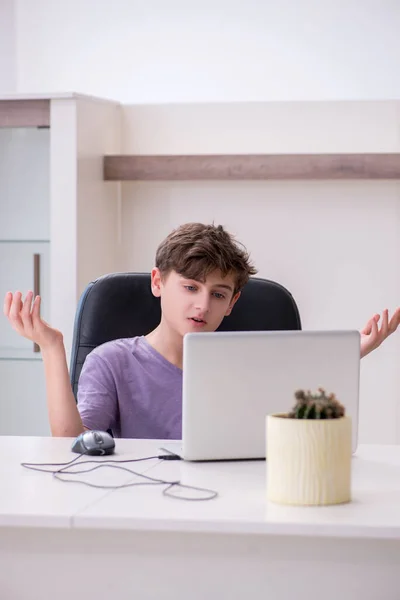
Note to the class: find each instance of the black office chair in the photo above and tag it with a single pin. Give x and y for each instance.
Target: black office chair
(121, 305)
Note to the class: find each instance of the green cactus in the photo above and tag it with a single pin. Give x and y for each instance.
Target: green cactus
(316, 406)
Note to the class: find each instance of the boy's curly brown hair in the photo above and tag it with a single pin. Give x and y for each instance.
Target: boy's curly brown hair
(194, 250)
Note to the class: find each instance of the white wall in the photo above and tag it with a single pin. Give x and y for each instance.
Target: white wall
(321, 242)
(210, 50)
(334, 245)
(8, 45)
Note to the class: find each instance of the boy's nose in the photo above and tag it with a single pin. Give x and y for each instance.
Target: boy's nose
(203, 304)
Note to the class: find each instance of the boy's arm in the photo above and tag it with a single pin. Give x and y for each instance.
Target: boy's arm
(64, 417)
(373, 335)
(25, 319)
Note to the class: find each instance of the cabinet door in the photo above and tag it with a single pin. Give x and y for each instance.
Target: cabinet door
(17, 273)
(24, 184)
(23, 409)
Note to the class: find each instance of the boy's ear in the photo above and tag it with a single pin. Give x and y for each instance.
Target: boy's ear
(232, 304)
(156, 282)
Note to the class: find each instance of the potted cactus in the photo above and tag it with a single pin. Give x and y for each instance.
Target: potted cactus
(309, 452)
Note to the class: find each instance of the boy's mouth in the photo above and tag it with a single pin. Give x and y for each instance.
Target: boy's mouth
(197, 320)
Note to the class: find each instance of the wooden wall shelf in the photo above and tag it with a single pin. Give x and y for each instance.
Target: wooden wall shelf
(25, 113)
(251, 167)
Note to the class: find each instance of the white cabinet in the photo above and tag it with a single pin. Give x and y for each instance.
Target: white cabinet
(55, 205)
(24, 183)
(24, 224)
(23, 409)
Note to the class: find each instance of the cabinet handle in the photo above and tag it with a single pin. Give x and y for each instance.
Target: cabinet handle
(36, 285)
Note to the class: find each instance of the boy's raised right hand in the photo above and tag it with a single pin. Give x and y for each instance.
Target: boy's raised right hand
(26, 320)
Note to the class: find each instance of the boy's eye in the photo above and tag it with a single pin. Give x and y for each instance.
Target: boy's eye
(192, 288)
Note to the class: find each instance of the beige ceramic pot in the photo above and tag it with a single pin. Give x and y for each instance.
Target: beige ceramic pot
(308, 460)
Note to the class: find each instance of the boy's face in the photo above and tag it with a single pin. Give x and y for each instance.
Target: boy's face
(188, 305)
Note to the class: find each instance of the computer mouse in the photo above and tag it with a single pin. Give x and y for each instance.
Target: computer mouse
(94, 443)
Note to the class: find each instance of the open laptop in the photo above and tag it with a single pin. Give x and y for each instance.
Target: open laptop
(232, 380)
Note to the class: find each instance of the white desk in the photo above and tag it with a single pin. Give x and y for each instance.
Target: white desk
(59, 540)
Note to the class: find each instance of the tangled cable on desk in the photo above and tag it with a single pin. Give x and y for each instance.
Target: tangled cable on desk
(64, 470)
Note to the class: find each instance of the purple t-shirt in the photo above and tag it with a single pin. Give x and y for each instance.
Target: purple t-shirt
(128, 387)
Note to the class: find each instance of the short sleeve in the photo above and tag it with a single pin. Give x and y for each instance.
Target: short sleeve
(97, 395)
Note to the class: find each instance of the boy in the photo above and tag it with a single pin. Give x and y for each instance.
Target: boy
(134, 386)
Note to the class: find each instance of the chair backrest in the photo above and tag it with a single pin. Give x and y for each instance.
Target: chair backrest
(121, 305)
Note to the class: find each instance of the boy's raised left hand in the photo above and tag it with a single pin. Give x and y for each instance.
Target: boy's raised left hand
(377, 330)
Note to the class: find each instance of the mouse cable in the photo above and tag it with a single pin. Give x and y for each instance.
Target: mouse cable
(115, 464)
(36, 466)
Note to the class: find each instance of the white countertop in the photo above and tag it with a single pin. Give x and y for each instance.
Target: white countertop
(32, 499)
